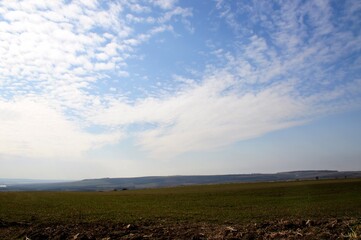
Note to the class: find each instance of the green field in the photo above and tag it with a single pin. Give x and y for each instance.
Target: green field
(244, 202)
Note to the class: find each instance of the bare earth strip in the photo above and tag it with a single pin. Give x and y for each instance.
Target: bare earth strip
(283, 229)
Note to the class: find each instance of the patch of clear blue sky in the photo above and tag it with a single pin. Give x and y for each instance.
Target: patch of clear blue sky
(331, 142)
(182, 52)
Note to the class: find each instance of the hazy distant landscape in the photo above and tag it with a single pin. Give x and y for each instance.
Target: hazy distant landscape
(110, 184)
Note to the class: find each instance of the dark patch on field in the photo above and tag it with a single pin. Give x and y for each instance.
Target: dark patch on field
(282, 229)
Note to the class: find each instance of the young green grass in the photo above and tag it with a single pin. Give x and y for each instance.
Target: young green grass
(242, 202)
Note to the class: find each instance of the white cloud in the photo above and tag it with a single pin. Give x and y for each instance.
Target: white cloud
(207, 116)
(104, 66)
(207, 121)
(53, 42)
(178, 11)
(34, 129)
(135, 7)
(165, 4)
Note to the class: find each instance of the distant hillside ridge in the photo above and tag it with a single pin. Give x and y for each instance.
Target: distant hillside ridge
(109, 184)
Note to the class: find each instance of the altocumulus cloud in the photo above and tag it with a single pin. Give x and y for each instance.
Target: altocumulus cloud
(53, 55)
(281, 65)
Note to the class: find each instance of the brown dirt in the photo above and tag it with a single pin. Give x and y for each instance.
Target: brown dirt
(282, 229)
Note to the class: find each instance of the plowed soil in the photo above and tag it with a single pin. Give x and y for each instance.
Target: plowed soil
(161, 229)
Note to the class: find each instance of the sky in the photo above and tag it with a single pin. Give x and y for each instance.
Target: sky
(126, 88)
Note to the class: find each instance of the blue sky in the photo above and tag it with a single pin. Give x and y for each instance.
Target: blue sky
(132, 88)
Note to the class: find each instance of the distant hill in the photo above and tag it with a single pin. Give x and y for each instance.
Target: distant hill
(17, 181)
(108, 184)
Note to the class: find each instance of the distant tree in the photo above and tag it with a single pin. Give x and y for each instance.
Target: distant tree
(317, 177)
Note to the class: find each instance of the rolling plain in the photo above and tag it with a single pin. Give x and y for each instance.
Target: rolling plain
(312, 209)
